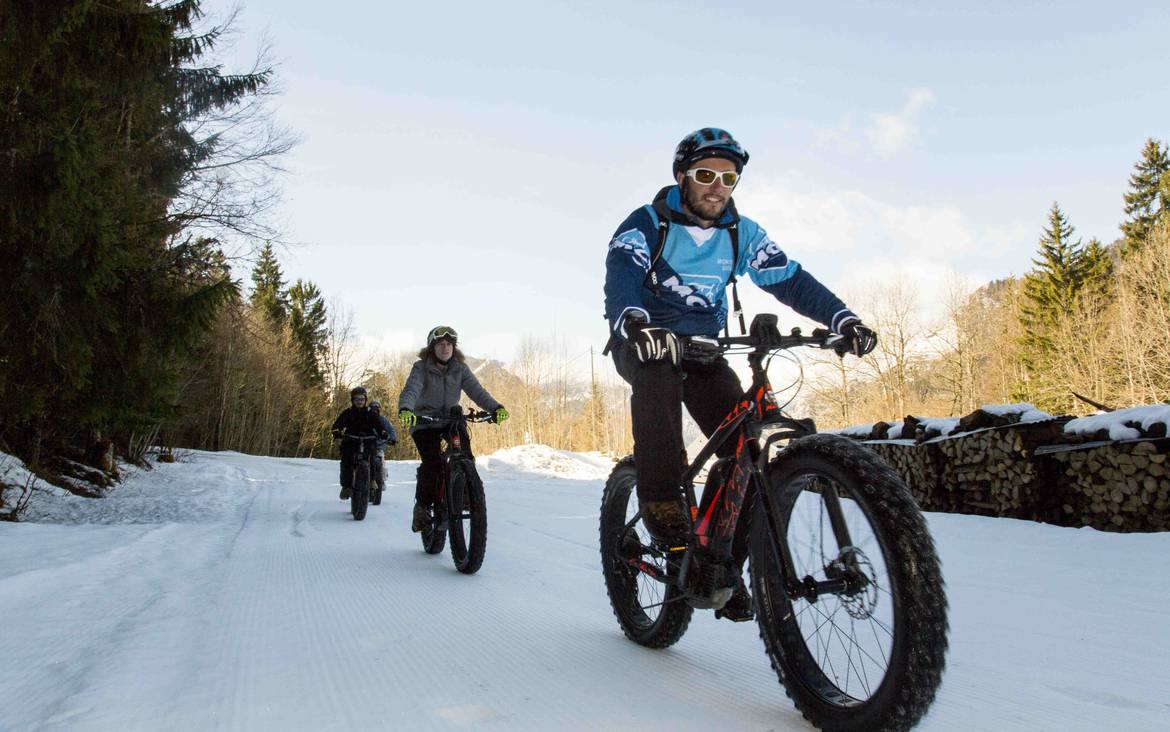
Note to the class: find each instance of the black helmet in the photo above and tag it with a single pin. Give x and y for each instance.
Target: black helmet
(709, 142)
(357, 391)
(440, 332)
(376, 405)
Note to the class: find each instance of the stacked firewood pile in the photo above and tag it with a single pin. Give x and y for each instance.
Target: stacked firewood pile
(1029, 465)
(1121, 486)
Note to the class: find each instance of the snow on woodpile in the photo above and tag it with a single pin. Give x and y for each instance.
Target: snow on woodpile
(1152, 420)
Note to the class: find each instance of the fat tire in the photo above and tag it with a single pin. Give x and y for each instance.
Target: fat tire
(621, 580)
(467, 552)
(917, 654)
(376, 497)
(360, 496)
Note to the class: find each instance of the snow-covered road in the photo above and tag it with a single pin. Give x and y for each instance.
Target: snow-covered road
(236, 592)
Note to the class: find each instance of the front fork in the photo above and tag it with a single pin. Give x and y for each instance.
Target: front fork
(844, 576)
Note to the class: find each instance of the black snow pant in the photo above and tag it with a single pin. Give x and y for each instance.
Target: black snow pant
(347, 453)
(710, 392)
(430, 450)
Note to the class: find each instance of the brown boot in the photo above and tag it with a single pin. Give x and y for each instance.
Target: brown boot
(667, 521)
(420, 519)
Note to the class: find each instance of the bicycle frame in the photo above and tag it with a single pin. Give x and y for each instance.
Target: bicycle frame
(716, 517)
(454, 445)
(362, 453)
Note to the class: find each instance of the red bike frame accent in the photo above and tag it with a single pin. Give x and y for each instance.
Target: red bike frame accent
(719, 513)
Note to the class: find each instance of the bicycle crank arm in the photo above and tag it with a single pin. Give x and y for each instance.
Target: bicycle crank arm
(650, 570)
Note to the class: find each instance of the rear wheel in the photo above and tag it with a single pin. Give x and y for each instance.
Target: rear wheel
(361, 490)
(649, 612)
(379, 483)
(872, 656)
(467, 517)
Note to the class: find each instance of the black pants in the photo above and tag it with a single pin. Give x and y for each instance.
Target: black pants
(709, 391)
(347, 453)
(430, 449)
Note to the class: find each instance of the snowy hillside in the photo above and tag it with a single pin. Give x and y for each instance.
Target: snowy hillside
(235, 592)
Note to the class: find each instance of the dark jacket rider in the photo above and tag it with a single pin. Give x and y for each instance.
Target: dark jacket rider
(357, 420)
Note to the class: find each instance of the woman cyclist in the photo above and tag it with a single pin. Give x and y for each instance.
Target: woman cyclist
(436, 382)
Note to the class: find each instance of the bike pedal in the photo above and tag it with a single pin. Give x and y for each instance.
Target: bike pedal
(723, 614)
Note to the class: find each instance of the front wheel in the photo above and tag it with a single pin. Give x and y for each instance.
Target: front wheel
(434, 532)
(869, 657)
(649, 612)
(467, 517)
(360, 495)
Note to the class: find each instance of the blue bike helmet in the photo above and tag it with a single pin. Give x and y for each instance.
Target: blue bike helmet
(709, 142)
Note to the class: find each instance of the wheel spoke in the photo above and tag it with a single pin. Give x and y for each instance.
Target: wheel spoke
(831, 622)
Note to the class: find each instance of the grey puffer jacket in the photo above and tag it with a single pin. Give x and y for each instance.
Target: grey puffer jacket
(432, 389)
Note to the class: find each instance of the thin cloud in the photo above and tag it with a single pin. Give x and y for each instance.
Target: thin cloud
(834, 220)
(889, 134)
(847, 237)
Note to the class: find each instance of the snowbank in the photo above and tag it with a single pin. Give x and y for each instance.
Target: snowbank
(16, 480)
(547, 461)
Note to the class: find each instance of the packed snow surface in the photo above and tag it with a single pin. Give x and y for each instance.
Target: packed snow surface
(236, 592)
(1115, 421)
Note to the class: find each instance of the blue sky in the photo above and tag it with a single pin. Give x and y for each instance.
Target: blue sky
(467, 163)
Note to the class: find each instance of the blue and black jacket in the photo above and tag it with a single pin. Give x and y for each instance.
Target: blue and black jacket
(694, 268)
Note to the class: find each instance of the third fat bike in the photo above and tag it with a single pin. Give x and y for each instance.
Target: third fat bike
(363, 467)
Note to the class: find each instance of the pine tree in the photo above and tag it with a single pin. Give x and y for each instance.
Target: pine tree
(106, 297)
(1148, 200)
(268, 293)
(1066, 273)
(1095, 270)
(307, 324)
(1050, 290)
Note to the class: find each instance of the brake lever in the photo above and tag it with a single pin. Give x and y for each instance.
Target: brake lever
(839, 344)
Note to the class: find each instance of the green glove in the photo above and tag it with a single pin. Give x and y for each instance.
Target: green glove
(407, 418)
(501, 414)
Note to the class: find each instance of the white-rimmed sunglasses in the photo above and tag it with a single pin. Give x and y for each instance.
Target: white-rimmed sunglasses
(706, 176)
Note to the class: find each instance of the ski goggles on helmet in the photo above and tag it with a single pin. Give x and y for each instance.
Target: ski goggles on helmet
(442, 332)
(706, 177)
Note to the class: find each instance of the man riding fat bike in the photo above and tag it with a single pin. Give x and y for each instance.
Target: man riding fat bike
(667, 270)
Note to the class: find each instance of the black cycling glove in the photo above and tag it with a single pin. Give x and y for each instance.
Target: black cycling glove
(861, 338)
(652, 343)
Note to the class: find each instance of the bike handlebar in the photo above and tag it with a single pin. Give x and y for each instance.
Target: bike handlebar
(765, 336)
(820, 338)
(458, 415)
